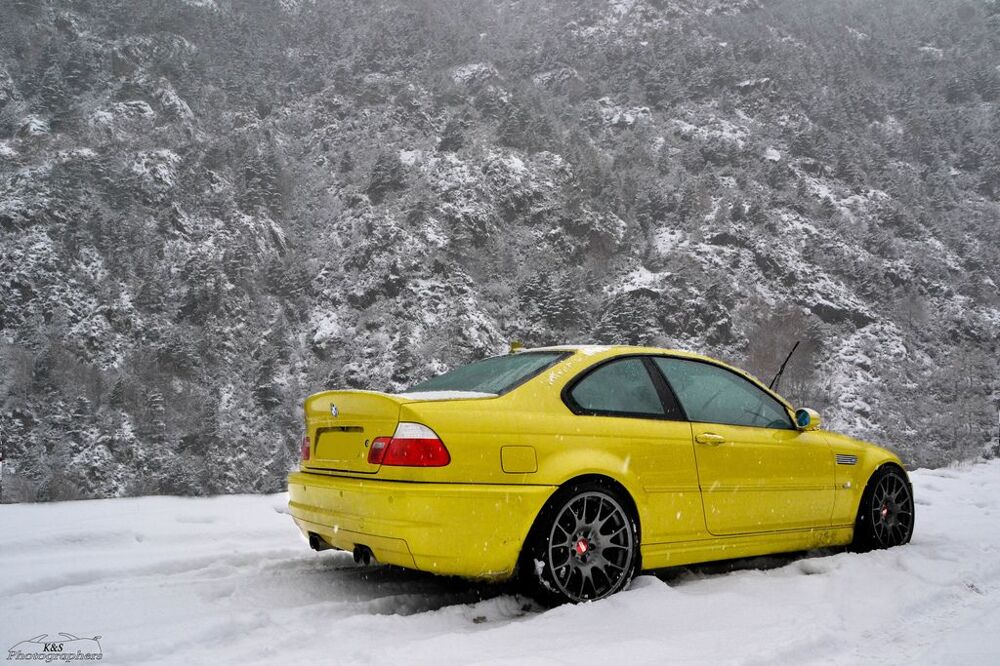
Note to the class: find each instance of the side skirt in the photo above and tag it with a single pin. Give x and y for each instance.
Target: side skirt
(660, 555)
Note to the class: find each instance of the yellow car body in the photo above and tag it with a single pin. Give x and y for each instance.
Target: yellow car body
(698, 491)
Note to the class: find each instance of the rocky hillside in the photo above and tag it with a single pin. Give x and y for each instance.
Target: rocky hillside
(209, 209)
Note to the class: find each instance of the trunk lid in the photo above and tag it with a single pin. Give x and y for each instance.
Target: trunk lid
(342, 424)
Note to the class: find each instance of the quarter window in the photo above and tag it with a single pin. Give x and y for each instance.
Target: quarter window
(710, 394)
(621, 387)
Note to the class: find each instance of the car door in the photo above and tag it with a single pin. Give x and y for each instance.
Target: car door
(626, 405)
(756, 470)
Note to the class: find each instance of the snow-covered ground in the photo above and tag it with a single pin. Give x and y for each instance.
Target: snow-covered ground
(229, 579)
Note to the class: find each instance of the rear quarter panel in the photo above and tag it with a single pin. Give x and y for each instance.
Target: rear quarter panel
(566, 446)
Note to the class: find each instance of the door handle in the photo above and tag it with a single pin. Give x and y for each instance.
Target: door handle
(709, 438)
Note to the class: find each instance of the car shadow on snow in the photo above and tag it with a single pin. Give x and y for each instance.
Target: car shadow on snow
(689, 573)
(390, 590)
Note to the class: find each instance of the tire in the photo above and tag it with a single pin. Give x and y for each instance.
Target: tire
(583, 546)
(885, 515)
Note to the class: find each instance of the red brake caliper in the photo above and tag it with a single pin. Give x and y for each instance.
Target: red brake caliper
(581, 547)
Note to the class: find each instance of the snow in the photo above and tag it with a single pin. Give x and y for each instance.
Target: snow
(291, 5)
(753, 83)
(851, 373)
(932, 51)
(433, 233)
(516, 165)
(586, 350)
(667, 240)
(858, 35)
(560, 75)
(622, 7)
(639, 278)
(410, 157)
(166, 580)
(157, 169)
(326, 327)
(717, 128)
(171, 101)
(75, 154)
(621, 116)
(34, 126)
(445, 395)
(133, 109)
(473, 72)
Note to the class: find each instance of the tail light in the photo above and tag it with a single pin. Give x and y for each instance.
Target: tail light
(412, 445)
(306, 446)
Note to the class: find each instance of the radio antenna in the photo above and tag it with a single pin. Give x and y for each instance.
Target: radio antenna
(774, 382)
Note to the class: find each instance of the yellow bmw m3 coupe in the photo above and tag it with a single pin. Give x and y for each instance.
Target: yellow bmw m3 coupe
(575, 467)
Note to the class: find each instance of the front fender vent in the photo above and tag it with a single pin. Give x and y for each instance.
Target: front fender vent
(845, 459)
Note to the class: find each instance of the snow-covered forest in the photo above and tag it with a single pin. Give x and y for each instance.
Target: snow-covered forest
(212, 208)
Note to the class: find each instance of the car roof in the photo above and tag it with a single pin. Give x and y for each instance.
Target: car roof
(609, 351)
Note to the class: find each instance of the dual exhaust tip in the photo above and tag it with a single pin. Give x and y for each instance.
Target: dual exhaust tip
(317, 543)
(362, 554)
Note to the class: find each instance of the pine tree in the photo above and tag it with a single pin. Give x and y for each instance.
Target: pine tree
(346, 163)
(117, 397)
(263, 181)
(694, 202)
(153, 427)
(940, 187)
(631, 319)
(266, 391)
(452, 139)
(406, 361)
(387, 175)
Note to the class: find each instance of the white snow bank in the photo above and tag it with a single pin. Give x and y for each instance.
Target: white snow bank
(168, 580)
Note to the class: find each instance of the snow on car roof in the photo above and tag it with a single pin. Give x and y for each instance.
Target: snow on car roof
(583, 349)
(589, 349)
(444, 395)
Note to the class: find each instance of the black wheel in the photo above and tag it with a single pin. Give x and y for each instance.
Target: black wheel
(885, 516)
(584, 546)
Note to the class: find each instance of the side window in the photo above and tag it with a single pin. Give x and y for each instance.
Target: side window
(710, 394)
(621, 387)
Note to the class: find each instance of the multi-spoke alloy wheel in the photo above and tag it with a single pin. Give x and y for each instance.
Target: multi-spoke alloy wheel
(590, 546)
(885, 518)
(584, 546)
(892, 511)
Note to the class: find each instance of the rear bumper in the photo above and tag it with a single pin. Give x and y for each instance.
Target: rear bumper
(446, 528)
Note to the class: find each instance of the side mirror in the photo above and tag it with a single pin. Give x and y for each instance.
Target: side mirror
(807, 419)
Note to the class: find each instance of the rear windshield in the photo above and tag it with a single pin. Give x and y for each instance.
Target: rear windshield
(492, 375)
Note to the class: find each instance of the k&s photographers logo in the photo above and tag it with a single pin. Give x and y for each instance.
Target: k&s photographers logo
(63, 648)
